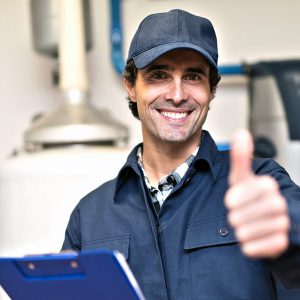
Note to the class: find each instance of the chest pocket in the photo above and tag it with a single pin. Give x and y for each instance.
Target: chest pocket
(208, 233)
(118, 243)
(218, 268)
(214, 256)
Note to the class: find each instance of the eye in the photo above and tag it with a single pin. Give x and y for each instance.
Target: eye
(192, 77)
(159, 75)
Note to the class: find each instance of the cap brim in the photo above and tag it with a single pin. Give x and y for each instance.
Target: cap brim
(145, 58)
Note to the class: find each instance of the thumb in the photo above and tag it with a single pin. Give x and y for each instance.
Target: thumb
(240, 156)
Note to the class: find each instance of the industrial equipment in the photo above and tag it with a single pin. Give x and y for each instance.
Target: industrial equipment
(275, 112)
(62, 29)
(274, 121)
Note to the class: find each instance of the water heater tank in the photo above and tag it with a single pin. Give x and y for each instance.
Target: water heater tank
(45, 26)
(39, 190)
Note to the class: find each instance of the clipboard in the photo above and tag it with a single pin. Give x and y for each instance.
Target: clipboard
(100, 274)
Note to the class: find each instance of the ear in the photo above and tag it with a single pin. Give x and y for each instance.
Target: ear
(212, 95)
(130, 90)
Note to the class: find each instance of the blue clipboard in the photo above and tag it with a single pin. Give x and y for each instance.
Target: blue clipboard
(89, 275)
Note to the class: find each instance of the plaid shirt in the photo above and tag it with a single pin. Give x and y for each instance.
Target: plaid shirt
(167, 183)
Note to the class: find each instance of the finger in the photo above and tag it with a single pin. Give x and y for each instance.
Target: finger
(263, 209)
(256, 211)
(240, 156)
(266, 247)
(255, 191)
(263, 228)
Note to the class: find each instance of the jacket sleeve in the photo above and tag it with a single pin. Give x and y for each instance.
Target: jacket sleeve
(286, 268)
(72, 235)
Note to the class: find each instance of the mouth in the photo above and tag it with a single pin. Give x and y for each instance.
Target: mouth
(174, 116)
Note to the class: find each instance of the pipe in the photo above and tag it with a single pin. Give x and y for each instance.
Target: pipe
(116, 37)
(72, 56)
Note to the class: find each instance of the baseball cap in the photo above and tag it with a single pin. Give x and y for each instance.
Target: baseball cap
(162, 32)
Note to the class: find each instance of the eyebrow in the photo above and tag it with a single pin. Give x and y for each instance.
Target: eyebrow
(157, 68)
(199, 70)
(151, 68)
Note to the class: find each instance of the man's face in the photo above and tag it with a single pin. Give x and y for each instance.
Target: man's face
(173, 96)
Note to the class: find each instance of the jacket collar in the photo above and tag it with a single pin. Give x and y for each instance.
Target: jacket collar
(207, 153)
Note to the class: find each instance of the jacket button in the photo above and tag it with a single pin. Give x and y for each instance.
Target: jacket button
(224, 231)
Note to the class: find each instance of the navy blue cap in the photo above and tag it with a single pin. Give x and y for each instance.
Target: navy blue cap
(162, 32)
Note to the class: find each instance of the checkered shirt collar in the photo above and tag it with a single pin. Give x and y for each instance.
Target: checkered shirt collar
(173, 178)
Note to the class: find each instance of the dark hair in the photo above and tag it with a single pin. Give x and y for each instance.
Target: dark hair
(130, 74)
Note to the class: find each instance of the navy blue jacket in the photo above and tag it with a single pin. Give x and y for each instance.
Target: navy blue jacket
(189, 251)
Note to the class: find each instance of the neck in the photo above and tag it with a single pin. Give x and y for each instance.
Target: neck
(160, 160)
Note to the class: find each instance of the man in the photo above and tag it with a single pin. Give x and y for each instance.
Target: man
(192, 222)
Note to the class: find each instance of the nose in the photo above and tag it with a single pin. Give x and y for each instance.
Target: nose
(176, 91)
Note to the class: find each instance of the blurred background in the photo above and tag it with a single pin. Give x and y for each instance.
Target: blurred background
(58, 140)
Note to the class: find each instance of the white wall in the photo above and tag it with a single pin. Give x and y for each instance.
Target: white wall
(247, 31)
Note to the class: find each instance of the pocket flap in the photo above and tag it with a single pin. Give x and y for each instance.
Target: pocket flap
(119, 243)
(209, 233)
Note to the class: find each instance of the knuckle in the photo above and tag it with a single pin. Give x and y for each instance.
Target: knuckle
(269, 183)
(232, 219)
(231, 198)
(266, 248)
(240, 234)
(279, 204)
(227, 199)
(248, 250)
(282, 243)
(284, 223)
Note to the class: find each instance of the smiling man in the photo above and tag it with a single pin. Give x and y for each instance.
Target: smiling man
(172, 97)
(192, 222)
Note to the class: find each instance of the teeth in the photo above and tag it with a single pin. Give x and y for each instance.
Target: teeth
(174, 115)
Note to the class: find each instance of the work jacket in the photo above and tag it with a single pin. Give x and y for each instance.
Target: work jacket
(188, 251)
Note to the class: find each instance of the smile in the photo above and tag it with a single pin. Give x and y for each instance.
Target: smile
(174, 115)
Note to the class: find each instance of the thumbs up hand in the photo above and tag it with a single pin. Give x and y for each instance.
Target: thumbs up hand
(256, 209)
